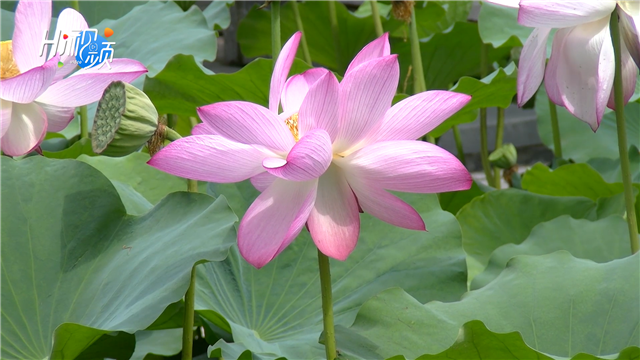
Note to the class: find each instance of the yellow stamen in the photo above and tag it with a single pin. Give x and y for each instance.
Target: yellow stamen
(292, 123)
(8, 66)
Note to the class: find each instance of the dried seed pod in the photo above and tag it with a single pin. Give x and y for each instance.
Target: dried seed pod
(401, 10)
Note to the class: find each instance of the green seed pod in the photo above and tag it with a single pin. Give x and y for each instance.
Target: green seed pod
(125, 120)
(505, 157)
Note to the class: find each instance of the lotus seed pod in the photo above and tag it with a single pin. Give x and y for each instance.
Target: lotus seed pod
(505, 157)
(125, 120)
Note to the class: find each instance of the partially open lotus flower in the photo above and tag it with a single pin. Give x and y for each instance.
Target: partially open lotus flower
(579, 75)
(336, 149)
(35, 96)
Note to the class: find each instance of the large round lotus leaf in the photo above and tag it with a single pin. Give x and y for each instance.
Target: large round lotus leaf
(276, 311)
(508, 216)
(75, 265)
(600, 241)
(181, 87)
(154, 32)
(561, 306)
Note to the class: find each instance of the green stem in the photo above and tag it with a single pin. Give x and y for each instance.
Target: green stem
(192, 185)
(76, 5)
(499, 137)
(193, 121)
(555, 128)
(303, 39)
(484, 150)
(171, 134)
(327, 306)
(276, 40)
(172, 120)
(499, 127)
(622, 135)
(376, 17)
(419, 84)
(459, 148)
(335, 31)
(84, 122)
(187, 325)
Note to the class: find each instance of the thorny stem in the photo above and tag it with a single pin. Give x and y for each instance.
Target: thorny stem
(327, 306)
(303, 40)
(622, 135)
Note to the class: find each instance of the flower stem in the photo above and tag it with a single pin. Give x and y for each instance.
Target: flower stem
(327, 306)
(499, 137)
(376, 17)
(187, 325)
(171, 134)
(459, 148)
(419, 84)
(190, 296)
(276, 40)
(172, 120)
(84, 122)
(192, 185)
(555, 129)
(484, 151)
(335, 31)
(499, 127)
(84, 117)
(303, 40)
(622, 135)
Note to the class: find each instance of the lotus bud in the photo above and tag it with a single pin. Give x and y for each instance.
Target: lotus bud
(401, 10)
(504, 157)
(125, 120)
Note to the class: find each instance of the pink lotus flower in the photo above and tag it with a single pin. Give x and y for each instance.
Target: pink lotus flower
(581, 68)
(34, 94)
(335, 150)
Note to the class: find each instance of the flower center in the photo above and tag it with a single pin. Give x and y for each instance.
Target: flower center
(292, 124)
(8, 66)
